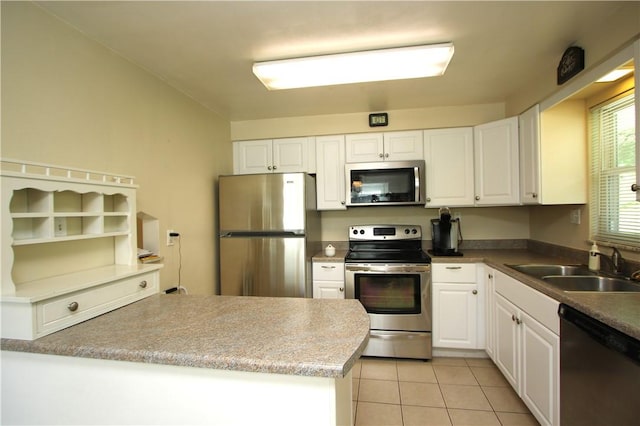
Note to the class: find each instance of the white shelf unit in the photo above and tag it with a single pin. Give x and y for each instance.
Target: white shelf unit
(67, 247)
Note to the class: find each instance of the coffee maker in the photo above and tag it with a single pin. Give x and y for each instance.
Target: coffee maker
(446, 234)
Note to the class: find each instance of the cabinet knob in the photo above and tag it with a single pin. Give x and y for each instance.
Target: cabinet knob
(73, 306)
(341, 289)
(635, 187)
(490, 276)
(428, 200)
(343, 203)
(475, 292)
(274, 167)
(513, 317)
(534, 195)
(268, 167)
(477, 198)
(381, 155)
(386, 155)
(143, 284)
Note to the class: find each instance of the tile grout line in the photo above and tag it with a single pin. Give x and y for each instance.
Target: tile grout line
(446, 407)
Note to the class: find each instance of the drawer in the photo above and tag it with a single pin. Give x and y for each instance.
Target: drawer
(61, 312)
(453, 272)
(328, 271)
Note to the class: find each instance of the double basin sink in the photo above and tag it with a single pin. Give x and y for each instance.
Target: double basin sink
(577, 278)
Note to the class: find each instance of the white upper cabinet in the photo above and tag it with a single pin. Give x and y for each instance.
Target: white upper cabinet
(330, 178)
(636, 58)
(285, 155)
(389, 146)
(448, 155)
(529, 122)
(553, 154)
(496, 168)
(364, 148)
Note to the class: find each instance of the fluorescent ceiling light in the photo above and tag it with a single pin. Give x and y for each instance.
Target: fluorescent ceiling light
(614, 75)
(343, 68)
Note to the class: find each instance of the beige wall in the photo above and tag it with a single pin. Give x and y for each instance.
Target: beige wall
(479, 223)
(552, 223)
(67, 100)
(407, 119)
(616, 29)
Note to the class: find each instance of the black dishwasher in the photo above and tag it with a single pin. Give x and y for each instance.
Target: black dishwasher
(599, 372)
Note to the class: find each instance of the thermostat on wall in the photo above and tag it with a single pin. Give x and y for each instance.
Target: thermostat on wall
(378, 119)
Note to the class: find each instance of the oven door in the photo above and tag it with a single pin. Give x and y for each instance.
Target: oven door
(396, 297)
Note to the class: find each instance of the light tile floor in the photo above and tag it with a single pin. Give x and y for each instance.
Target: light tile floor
(443, 391)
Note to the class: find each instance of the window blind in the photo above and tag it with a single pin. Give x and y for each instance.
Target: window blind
(615, 214)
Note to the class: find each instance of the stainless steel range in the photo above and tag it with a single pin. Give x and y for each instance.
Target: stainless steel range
(387, 270)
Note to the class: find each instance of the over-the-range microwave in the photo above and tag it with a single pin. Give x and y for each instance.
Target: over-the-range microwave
(387, 183)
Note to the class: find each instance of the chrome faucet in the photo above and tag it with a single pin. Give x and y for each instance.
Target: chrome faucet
(616, 261)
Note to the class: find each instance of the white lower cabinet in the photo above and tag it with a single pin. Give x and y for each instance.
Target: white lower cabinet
(458, 315)
(526, 345)
(489, 316)
(328, 280)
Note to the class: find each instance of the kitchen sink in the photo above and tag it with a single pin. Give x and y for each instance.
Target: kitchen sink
(591, 283)
(540, 270)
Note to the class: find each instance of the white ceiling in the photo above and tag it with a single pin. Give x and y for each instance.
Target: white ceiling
(206, 48)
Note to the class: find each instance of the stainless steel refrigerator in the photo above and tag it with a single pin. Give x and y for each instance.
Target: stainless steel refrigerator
(269, 229)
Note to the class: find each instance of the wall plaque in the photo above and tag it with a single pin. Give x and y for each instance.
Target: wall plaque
(571, 63)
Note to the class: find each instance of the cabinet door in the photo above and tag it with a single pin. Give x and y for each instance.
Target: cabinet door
(328, 290)
(290, 155)
(364, 148)
(540, 370)
(330, 178)
(636, 58)
(490, 312)
(529, 123)
(448, 155)
(250, 157)
(506, 340)
(455, 314)
(497, 176)
(403, 146)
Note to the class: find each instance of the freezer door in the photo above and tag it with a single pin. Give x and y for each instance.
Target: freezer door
(262, 203)
(269, 267)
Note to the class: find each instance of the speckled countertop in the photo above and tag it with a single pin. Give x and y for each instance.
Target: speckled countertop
(618, 310)
(295, 336)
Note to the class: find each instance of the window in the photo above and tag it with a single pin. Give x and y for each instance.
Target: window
(615, 215)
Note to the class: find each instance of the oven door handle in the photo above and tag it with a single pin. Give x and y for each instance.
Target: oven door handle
(388, 268)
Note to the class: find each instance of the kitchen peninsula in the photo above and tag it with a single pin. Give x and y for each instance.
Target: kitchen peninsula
(178, 359)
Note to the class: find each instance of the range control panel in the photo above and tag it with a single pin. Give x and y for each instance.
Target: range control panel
(385, 232)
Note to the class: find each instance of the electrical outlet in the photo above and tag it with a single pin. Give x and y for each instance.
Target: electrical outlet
(574, 216)
(169, 237)
(60, 224)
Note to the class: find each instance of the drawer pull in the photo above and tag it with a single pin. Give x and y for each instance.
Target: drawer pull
(143, 284)
(453, 267)
(328, 267)
(73, 306)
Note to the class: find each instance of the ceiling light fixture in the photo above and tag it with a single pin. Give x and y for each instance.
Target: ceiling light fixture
(356, 67)
(614, 75)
